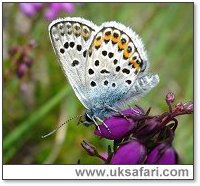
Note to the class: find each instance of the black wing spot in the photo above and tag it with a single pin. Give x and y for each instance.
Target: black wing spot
(123, 41)
(79, 47)
(129, 49)
(125, 70)
(96, 63)
(90, 71)
(98, 38)
(104, 71)
(134, 58)
(71, 44)
(62, 50)
(105, 83)
(108, 33)
(116, 35)
(113, 84)
(110, 54)
(97, 47)
(104, 53)
(115, 61)
(93, 84)
(84, 53)
(75, 62)
(128, 81)
(66, 45)
(118, 68)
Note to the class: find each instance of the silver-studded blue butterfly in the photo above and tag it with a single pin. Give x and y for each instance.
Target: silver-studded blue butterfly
(106, 65)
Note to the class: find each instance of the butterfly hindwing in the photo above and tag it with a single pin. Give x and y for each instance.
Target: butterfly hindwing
(71, 38)
(116, 58)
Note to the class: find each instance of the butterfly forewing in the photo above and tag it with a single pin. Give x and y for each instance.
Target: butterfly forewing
(71, 38)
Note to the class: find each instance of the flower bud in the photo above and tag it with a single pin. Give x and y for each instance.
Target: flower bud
(179, 107)
(118, 126)
(130, 153)
(188, 107)
(162, 154)
(21, 70)
(28, 61)
(89, 148)
(170, 97)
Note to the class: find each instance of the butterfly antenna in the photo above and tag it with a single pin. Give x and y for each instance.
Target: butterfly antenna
(58, 127)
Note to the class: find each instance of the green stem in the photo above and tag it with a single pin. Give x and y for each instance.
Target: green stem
(33, 120)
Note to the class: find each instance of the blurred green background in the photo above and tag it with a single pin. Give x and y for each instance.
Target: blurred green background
(38, 98)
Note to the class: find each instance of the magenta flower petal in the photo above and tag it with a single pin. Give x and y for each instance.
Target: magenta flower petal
(28, 9)
(56, 7)
(37, 6)
(69, 7)
(52, 11)
(50, 15)
(22, 70)
(118, 125)
(162, 154)
(130, 153)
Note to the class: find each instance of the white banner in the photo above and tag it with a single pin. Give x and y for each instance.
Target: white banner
(79, 172)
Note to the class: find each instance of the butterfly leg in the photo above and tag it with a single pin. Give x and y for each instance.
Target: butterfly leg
(104, 124)
(96, 124)
(117, 111)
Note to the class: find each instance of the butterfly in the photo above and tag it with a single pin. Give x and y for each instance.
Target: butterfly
(105, 65)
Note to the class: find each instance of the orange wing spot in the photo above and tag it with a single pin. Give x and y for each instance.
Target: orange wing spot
(121, 45)
(97, 42)
(107, 37)
(115, 40)
(127, 52)
(135, 64)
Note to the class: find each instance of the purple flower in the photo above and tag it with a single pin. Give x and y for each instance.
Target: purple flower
(118, 126)
(150, 127)
(162, 154)
(21, 58)
(134, 133)
(22, 70)
(170, 97)
(55, 8)
(51, 12)
(89, 148)
(130, 153)
(30, 9)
